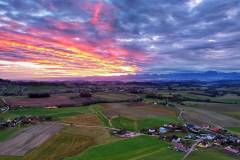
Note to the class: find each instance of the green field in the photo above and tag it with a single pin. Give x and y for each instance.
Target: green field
(97, 110)
(125, 149)
(161, 154)
(157, 121)
(146, 148)
(124, 123)
(10, 158)
(55, 113)
(211, 154)
(130, 124)
(8, 133)
(228, 98)
(235, 130)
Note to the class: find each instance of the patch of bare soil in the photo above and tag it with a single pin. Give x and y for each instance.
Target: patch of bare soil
(217, 107)
(83, 119)
(200, 116)
(54, 100)
(136, 110)
(28, 139)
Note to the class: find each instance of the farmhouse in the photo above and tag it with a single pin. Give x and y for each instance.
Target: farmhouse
(124, 133)
(233, 150)
(163, 130)
(204, 144)
(180, 147)
(23, 120)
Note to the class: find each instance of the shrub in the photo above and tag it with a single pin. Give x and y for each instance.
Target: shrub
(38, 95)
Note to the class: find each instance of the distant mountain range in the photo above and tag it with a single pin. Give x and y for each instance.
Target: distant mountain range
(199, 76)
(188, 76)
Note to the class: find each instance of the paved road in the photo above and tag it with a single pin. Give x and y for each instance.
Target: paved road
(191, 149)
(6, 106)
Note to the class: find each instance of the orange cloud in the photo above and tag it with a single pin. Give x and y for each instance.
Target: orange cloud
(53, 58)
(51, 51)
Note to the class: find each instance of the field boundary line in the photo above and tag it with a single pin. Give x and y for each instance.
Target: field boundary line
(99, 113)
(147, 154)
(82, 125)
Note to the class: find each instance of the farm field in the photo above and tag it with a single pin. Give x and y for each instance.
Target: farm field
(136, 110)
(68, 99)
(228, 98)
(71, 140)
(211, 154)
(55, 113)
(134, 125)
(225, 99)
(233, 114)
(156, 121)
(44, 88)
(235, 130)
(231, 110)
(63, 144)
(8, 133)
(134, 116)
(10, 158)
(28, 139)
(124, 149)
(99, 113)
(168, 154)
(144, 148)
(203, 116)
(115, 97)
(219, 107)
(83, 119)
(54, 100)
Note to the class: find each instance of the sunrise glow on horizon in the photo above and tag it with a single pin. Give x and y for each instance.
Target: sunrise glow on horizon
(50, 51)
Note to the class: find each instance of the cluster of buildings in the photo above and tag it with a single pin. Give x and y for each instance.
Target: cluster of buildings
(202, 137)
(187, 137)
(19, 121)
(124, 133)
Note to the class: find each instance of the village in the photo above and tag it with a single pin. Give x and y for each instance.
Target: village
(189, 137)
(23, 120)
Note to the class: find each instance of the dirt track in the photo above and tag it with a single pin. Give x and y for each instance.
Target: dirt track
(28, 139)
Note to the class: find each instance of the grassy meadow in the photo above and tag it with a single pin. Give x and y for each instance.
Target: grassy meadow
(123, 149)
(8, 133)
(133, 125)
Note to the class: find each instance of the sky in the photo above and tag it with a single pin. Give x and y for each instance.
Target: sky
(44, 39)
